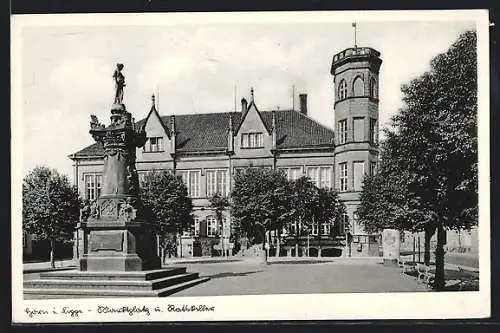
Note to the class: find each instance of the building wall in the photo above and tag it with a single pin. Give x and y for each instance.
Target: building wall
(457, 241)
(203, 162)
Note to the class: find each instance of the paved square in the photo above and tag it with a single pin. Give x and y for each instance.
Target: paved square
(300, 277)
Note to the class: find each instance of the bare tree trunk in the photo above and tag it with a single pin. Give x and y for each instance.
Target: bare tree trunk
(52, 247)
(180, 244)
(158, 246)
(264, 244)
(163, 253)
(278, 249)
(319, 245)
(428, 233)
(297, 238)
(439, 280)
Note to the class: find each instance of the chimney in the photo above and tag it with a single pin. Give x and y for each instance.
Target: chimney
(244, 105)
(303, 103)
(173, 134)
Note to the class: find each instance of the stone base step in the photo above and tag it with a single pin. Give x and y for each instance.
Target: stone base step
(41, 293)
(116, 284)
(67, 284)
(107, 276)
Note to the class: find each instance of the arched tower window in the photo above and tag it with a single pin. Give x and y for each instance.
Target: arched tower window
(373, 88)
(342, 90)
(357, 87)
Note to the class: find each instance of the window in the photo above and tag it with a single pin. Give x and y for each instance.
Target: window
(320, 176)
(252, 140)
(373, 88)
(342, 90)
(24, 240)
(196, 226)
(211, 226)
(359, 173)
(191, 179)
(357, 87)
(314, 230)
(342, 131)
(359, 129)
(373, 168)
(292, 173)
(373, 130)
(93, 184)
(154, 144)
(217, 182)
(343, 177)
(326, 228)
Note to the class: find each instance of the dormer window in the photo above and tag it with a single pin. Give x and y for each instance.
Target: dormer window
(342, 90)
(154, 144)
(252, 140)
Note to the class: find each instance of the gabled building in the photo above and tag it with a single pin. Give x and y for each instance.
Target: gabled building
(208, 149)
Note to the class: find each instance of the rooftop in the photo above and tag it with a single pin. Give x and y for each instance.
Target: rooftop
(208, 132)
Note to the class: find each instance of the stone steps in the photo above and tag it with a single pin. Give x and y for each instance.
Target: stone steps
(40, 293)
(110, 284)
(118, 275)
(161, 282)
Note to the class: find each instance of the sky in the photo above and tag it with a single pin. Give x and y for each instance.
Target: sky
(67, 71)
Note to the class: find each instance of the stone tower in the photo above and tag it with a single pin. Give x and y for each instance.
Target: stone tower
(356, 80)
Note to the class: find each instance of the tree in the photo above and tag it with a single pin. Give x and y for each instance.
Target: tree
(259, 202)
(328, 210)
(219, 204)
(387, 202)
(50, 206)
(436, 134)
(304, 202)
(166, 198)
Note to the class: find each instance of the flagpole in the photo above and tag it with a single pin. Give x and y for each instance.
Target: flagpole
(234, 92)
(355, 37)
(157, 98)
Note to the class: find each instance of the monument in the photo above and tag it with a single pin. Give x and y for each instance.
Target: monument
(115, 242)
(119, 239)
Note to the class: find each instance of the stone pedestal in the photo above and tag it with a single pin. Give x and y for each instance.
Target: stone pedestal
(119, 246)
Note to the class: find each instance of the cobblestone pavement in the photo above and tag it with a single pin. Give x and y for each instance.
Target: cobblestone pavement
(300, 277)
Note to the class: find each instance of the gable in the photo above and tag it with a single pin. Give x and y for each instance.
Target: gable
(208, 131)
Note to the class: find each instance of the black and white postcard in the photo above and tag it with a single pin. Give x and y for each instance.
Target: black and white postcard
(250, 166)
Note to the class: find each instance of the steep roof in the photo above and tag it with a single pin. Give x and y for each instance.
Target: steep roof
(208, 132)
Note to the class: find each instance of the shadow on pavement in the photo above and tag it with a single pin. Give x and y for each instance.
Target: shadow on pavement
(299, 262)
(229, 274)
(207, 261)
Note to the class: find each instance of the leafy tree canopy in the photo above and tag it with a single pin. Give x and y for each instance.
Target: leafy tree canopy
(260, 200)
(166, 197)
(50, 204)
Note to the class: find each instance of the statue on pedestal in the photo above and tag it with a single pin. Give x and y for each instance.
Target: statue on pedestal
(120, 238)
(119, 84)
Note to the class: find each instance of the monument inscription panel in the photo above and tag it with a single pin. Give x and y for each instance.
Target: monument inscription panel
(106, 241)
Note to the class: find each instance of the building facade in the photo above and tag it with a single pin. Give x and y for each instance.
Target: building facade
(206, 150)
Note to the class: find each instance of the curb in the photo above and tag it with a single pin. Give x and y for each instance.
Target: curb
(43, 270)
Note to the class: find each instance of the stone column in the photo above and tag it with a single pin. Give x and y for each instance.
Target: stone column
(390, 245)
